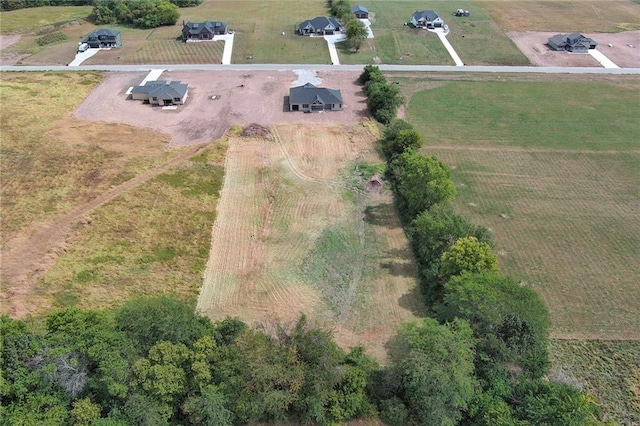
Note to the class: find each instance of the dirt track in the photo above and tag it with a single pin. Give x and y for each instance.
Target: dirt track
(258, 97)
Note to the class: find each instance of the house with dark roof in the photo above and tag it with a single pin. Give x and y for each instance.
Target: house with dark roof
(574, 42)
(103, 38)
(198, 31)
(319, 26)
(309, 98)
(161, 92)
(426, 19)
(361, 12)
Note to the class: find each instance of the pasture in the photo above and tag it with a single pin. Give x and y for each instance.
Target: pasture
(477, 39)
(564, 16)
(297, 233)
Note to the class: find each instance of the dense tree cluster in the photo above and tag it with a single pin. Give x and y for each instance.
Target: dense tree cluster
(138, 13)
(154, 362)
(486, 347)
(383, 99)
(355, 30)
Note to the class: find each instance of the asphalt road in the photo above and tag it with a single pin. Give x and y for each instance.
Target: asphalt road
(321, 67)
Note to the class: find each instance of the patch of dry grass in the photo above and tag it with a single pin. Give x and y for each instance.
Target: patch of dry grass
(149, 241)
(564, 16)
(52, 162)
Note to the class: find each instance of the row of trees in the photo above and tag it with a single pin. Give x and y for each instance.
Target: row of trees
(383, 98)
(138, 13)
(486, 344)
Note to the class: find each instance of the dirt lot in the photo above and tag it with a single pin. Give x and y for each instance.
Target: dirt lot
(240, 99)
(533, 45)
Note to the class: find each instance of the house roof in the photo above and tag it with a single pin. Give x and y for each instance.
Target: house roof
(321, 22)
(162, 89)
(308, 94)
(358, 8)
(197, 27)
(427, 15)
(572, 39)
(105, 32)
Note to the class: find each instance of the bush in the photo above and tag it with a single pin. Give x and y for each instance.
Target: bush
(51, 38)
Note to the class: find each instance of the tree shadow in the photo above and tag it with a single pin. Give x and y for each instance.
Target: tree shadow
(398, 268)
(383, 214)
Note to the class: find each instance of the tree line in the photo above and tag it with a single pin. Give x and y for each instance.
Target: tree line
(22, 4)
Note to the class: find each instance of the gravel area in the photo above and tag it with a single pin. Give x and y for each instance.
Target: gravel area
(240, 98)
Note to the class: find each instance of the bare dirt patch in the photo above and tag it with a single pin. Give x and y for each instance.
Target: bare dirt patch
(624, 50)
(218, 99)
(282, 215)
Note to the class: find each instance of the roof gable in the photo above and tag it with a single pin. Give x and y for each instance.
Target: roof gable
(358, 8)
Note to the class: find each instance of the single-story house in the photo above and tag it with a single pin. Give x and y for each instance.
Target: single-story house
(427, 19)
(361, 12)
(161, 92)
(573, 42)
(202, 30)
(319, 26)
(309, 98)
(103, 37)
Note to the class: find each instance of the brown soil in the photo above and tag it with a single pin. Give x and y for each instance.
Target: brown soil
(242, 99)
(7, 40)
(621, 52)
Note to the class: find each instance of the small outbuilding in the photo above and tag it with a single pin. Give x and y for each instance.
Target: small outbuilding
(574, 42)
(161, 92)
(103, 38)
(426, 19)
(309, 98)
(199, 31)
(319, 26)
(361, 12)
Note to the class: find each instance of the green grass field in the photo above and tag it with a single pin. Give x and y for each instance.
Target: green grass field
(477, 39)
(559, 115)
(552, 169)
(36, 18)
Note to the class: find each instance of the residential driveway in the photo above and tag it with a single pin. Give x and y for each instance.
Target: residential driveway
(228, 47)
(442, 35)
(600, 57)
(83, 56)
(331, 42)
(367, 24)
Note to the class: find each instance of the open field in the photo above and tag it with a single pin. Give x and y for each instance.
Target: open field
(550, 114)
(294, 234)
(565, 16)
(26, 20)
(566, 183)
(609, 371)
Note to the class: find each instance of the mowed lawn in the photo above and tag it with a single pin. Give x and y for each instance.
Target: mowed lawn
(553, 169)
(477, 39)
(566, 16)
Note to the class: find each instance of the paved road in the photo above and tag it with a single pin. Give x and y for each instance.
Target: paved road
(320, 67)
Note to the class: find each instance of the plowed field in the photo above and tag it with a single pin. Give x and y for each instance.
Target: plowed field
(295, 233)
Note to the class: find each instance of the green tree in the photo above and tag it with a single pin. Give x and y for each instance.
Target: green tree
(510, 322)
(551, 403)
(421, 181)
(438, 372)
(356, 33)
(84, 412)
(147, 321)
(144, 410)
(371, 72)
(399, 136)
(467, 254)
(208, 408)
(383, 101)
